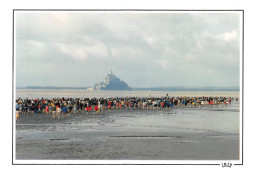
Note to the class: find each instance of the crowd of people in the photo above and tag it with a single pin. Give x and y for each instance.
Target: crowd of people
(66, 106)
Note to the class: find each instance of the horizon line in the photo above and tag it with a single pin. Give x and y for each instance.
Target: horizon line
(180, 86)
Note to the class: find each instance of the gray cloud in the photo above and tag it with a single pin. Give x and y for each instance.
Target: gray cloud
(144, 49)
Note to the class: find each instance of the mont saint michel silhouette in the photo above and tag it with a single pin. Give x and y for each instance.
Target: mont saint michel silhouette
(111, 82)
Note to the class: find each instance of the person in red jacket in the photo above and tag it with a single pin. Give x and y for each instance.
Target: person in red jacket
(96, 108)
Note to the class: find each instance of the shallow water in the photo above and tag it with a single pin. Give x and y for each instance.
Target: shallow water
(51, 93)
(225, 120)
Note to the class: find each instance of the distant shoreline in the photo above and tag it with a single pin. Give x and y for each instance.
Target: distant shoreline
(143, 89)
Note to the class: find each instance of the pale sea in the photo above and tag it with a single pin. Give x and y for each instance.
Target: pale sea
(81, 93)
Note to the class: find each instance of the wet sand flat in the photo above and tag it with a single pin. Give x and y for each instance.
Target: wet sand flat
(176, 134)
(39, 93)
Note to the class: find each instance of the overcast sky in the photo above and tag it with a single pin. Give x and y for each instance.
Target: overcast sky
(145, 49)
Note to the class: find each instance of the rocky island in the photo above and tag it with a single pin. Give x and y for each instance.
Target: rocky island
(111, 82)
